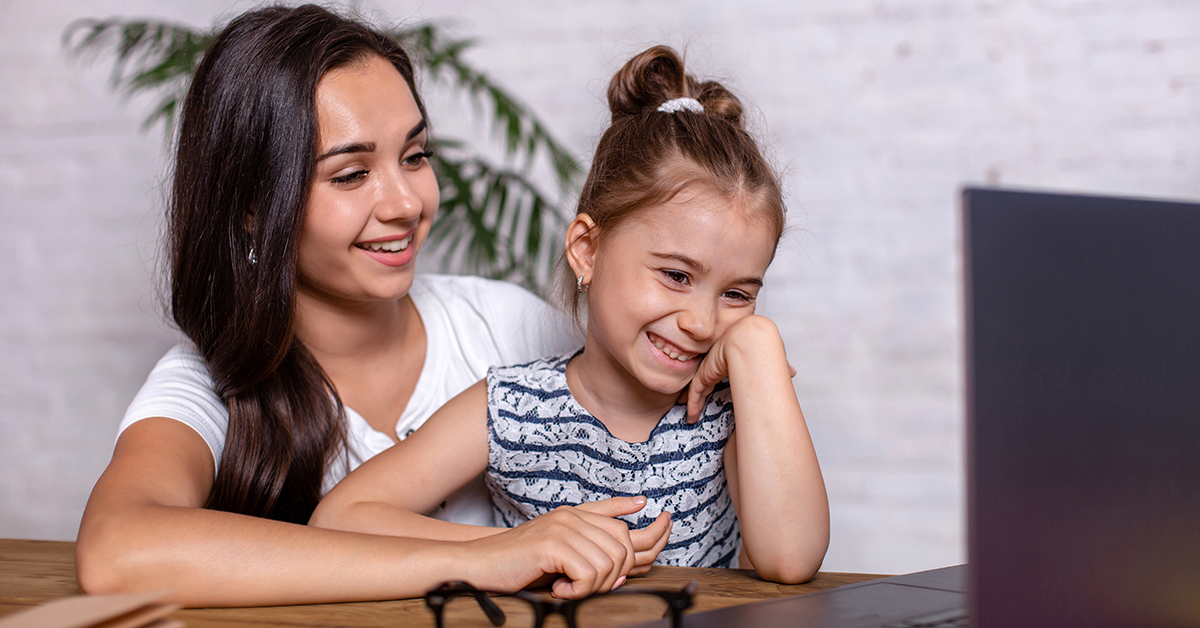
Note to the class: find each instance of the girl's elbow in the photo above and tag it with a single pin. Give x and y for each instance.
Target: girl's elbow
(791, 573)
(791, 567)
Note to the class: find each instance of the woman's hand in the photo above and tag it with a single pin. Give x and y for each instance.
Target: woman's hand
(648, 541)
(591, 549)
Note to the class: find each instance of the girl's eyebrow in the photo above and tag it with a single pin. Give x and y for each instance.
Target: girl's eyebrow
(369, 147)
(697, 266)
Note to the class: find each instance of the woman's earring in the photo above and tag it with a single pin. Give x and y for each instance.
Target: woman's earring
(252, 258)
(580, 286)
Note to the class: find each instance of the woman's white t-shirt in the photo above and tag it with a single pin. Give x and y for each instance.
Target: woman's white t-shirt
(470, 325)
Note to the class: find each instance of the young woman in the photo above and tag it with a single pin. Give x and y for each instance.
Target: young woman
(302, 195)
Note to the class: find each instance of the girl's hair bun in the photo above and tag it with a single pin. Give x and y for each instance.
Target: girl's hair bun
(656, 76)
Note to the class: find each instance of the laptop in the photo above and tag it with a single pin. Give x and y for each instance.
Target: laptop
(1082, 323)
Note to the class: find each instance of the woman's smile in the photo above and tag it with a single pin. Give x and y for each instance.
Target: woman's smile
(390, 251)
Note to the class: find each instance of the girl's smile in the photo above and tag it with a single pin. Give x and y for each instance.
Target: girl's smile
(671, 352)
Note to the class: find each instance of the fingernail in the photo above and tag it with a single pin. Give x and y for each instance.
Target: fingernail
(640, 500)
(620, 581)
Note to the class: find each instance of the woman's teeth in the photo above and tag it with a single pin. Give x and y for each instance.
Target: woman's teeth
(391, 246)
(682, 357)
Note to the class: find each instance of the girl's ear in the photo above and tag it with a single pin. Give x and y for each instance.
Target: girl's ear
(581, 246)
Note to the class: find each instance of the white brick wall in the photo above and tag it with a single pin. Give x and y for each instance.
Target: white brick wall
(878, 111)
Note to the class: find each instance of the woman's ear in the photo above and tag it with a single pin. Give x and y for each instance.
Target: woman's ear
(248, 222)
(581, 246)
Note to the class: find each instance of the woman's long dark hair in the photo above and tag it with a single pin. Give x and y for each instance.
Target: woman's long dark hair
(243, 170)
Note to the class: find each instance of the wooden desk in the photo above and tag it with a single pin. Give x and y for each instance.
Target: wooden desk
(32, 572)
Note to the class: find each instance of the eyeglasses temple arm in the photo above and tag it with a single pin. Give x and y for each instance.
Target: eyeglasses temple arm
(493, 612)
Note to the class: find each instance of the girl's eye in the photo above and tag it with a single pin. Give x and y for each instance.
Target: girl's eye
(352, 177)
(676, 276)
(738, 295)
(416, 160)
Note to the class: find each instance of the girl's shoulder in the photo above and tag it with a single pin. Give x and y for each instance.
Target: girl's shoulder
(547, 373)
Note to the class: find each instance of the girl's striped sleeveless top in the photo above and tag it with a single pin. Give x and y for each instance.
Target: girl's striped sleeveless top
(545, 451)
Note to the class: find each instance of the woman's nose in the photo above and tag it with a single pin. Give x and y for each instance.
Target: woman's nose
(399, 200)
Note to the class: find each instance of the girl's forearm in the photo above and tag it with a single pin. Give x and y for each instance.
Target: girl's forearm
(783, 508)
(372, 517)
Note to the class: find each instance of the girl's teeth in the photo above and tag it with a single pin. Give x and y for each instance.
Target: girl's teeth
(674, 356)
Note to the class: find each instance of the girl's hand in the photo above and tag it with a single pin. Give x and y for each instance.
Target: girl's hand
(744, 335)
(586, 546)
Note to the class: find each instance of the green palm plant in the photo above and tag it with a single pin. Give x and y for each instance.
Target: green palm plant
(494, 220)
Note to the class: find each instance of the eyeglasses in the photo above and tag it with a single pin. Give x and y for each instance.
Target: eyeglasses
(460, 605)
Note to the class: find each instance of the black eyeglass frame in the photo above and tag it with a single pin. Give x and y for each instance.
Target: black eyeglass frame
(677, 602)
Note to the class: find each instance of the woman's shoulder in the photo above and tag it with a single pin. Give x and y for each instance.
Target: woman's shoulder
(180, 387)
(471, 289)
(491, 311)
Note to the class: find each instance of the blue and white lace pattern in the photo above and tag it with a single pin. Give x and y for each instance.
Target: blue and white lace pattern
(546, 451)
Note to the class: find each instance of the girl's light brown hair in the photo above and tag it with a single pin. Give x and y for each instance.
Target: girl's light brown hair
(647, 156)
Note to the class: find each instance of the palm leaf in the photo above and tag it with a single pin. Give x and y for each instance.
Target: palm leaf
(494, 222)
(151, 57)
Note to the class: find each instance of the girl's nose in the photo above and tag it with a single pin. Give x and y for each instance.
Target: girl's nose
(699, 318)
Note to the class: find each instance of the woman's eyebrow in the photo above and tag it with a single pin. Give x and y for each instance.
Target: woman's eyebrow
(362, 147)
(369, 147)
(416, 130)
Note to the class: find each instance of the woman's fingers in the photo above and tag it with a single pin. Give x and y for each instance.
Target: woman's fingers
(614, 506)
(601, 552)
(591, 549)
(583, 551)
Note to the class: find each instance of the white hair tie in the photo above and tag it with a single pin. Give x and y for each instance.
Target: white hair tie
(676, 105)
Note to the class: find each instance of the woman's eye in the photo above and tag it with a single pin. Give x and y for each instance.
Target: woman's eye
(676, 276)
(415, 160)
(352, 177)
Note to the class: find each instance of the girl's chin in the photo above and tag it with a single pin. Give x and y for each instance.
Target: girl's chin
(668, 386)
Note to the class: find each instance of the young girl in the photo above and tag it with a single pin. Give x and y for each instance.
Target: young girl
(678, 220)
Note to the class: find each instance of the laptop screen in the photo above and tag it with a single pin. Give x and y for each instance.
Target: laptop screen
(1083, 409)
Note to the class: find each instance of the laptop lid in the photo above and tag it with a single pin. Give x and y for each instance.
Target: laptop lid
(1083, 409)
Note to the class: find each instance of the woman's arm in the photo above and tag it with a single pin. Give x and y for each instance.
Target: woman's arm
(145, 529)
(770, 462)
(387, 493)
